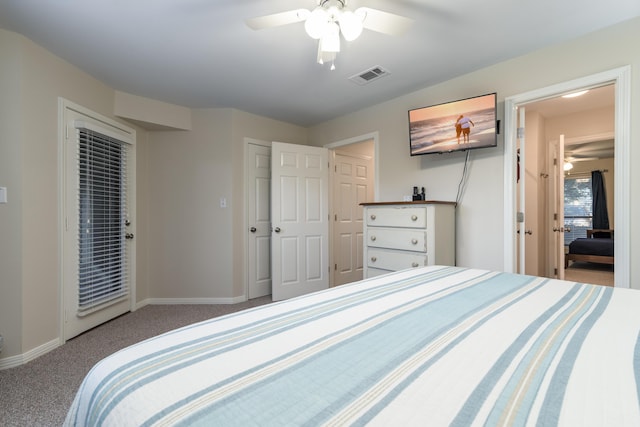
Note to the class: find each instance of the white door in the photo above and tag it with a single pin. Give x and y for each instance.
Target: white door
(352, 185)
(259, 222)
(97, 227)
(299, 217)
(557, 217)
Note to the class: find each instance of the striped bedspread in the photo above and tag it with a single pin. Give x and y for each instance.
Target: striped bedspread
(435, 346)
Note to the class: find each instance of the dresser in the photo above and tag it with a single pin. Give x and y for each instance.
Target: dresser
(400, 235)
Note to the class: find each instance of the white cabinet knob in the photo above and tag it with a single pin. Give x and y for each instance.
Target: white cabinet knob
(373, 238)
(373, 217)
(414, 241)
(373, 259)
(415, 264)
(414, 217)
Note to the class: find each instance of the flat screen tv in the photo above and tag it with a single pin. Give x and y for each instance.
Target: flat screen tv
(454, 126)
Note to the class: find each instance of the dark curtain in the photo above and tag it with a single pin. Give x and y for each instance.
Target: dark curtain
(600, 215)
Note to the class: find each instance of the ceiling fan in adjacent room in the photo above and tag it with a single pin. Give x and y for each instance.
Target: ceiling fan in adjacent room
(330, 19)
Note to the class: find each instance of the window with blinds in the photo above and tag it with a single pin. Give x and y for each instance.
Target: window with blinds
(102, 213)
(578, 210)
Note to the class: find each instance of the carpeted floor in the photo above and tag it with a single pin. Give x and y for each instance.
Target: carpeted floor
(40, 392)
(590, 272)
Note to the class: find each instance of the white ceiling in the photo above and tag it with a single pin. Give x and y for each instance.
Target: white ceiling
(200, 53)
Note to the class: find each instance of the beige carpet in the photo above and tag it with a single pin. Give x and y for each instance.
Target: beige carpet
(589, 272)
(40, 392)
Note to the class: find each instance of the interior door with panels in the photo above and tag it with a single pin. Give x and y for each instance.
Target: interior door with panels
(352, 185)
(300, 219)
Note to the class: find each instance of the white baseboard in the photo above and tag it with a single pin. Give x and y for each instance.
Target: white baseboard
(21, 359)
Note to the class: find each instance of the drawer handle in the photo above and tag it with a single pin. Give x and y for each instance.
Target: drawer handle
(414, 217)
(373, 238)
(414, 241)
(373, 259)
(373, 217)
(415, 264)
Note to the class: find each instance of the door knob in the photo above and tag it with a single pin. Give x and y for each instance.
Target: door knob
(277, 229)
(128, 236)
(252, 229)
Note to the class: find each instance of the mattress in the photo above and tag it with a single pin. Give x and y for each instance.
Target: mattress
(600, 247)
(434, 346)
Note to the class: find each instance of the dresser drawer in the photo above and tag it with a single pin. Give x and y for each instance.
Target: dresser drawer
(388, 259)
(393, 238)
(373, 272)
(406, 217)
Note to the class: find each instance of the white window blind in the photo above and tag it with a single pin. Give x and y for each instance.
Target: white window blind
(578, 213)
(102, 275)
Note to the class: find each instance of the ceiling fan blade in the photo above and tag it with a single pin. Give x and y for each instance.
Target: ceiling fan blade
(278, 19)
(383, 22)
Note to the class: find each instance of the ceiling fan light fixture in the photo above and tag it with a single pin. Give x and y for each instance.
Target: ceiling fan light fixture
(568, 166)
(324, 56)
(330, 41)
(317, 23)
(350, 25)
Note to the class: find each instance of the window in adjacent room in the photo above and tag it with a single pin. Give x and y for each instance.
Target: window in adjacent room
(578, 214)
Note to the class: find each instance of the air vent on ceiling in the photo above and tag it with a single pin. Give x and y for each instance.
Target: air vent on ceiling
(369, 75)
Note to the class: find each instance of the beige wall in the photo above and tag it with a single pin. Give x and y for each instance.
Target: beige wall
(190, 247)
(582, 124)
(32, 81)
(245, 125)
(11, 178)
(480, 226)
(196, 246)
(189, 233)
(187, 246)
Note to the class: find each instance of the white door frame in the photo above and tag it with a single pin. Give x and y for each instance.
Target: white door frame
(67, 108)
(621, 77)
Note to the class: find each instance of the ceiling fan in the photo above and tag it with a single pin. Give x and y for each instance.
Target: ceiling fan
(330, 19)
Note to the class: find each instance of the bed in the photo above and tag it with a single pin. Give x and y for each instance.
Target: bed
(432, 346)
(596, 247)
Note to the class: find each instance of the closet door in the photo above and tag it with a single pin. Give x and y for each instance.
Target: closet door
(300, 219)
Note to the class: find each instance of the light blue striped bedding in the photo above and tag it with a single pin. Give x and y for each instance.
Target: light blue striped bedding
(434, 346)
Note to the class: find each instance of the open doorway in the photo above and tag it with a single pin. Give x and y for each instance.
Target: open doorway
(514, 215)
(568, 138)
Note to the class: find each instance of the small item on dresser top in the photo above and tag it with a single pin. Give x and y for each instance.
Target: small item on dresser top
(416, 195)
(423, 196)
